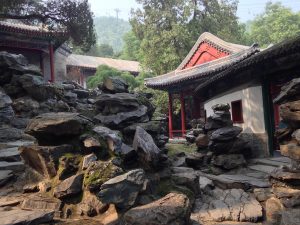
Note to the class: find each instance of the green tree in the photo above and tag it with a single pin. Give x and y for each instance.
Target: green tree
(168, 29)
(103, 72)
(274, 25)
(131, 49)
(71, 16)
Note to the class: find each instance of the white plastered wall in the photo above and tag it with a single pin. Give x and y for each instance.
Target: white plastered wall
(252, 103)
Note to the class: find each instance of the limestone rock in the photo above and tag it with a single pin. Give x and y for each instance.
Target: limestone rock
(149, 155)
(226, 134)
(6, 111)
(123, 119)
(114, 85)
(18, 216)
(229, 161)
(26, 105)
(227, 205)
(112, 138)
(52, 126)
(189, 180)
(91, 206)
(290, 217)
(11, 134)
(289, 92)
(173, 209)
(195, 160)
(205, 184)
(69, 187)
(202, 141)
(123, 190)
(87, 160)
(296, 135)
(290, 113)
(291, 150)
(98, 173)
(44, 159)
(5, 176)
(273, 210)
(41, 203)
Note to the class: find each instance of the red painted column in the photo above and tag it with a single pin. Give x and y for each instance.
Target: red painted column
(170, 116)
(182, 114)
(51, 53)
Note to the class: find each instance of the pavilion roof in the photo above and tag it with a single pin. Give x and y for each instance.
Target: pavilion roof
(200, 71)
(283, 52)
(12, 26)
(92, 62)
(214, 41)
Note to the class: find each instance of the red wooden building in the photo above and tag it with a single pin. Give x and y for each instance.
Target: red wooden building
(247, 78)
(208, 56)
(38, 44)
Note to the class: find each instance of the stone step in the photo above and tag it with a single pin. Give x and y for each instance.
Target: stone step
(12, 144)
(228, 181)
(14, 166)
(268, 162)
(5, 176)
(281, 159)
(263, 168)
(10, 155)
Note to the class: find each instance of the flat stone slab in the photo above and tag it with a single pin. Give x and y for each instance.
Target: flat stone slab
(18, 216)
(262, 168)
(227, 181)
(14, 166)
(226, 205)
(281, 159)
(15, 143)
(10, 155)
(5, 175)
(10, 202)
(268, 162)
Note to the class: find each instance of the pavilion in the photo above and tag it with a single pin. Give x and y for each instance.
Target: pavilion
(247, 78)
(42, 47)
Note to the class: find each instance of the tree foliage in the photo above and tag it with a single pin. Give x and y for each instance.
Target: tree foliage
(103, 72)
(131, 49)
(111, 30)
(71, 16)
(168, 29)
(274, 25)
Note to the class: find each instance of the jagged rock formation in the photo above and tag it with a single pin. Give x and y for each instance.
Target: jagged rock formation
(284, 207)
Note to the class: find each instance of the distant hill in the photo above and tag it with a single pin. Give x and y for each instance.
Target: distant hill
(111, 30)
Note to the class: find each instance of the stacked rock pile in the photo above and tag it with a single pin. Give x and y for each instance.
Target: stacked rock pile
(284, 208)
(219, 141)
(85, 154)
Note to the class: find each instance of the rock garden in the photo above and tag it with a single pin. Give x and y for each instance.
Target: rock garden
(75, 156)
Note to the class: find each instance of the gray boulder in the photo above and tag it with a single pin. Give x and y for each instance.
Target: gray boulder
(149, 155)
(229, 161)
(225, 134)
(114, 85)
(69, 187)
(123, 190)
(112, 138)
(50, 126)
(17, 216)
(6, 111)
(173, 209)
(123, 119)
(289, 92)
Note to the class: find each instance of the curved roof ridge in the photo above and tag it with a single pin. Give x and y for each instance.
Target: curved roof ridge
(215, 41)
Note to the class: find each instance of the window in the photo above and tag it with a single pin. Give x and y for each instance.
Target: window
(237, 111)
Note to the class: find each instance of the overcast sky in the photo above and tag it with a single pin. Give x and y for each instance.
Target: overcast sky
(247, 9)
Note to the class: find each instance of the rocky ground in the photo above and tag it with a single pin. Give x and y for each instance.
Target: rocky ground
(73, 156)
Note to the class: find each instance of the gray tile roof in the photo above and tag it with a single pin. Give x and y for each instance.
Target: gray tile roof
(93, 62)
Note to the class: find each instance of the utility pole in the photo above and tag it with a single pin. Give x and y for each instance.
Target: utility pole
(117, 13)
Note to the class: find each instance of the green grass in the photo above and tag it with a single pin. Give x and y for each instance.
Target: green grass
(174, 149)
